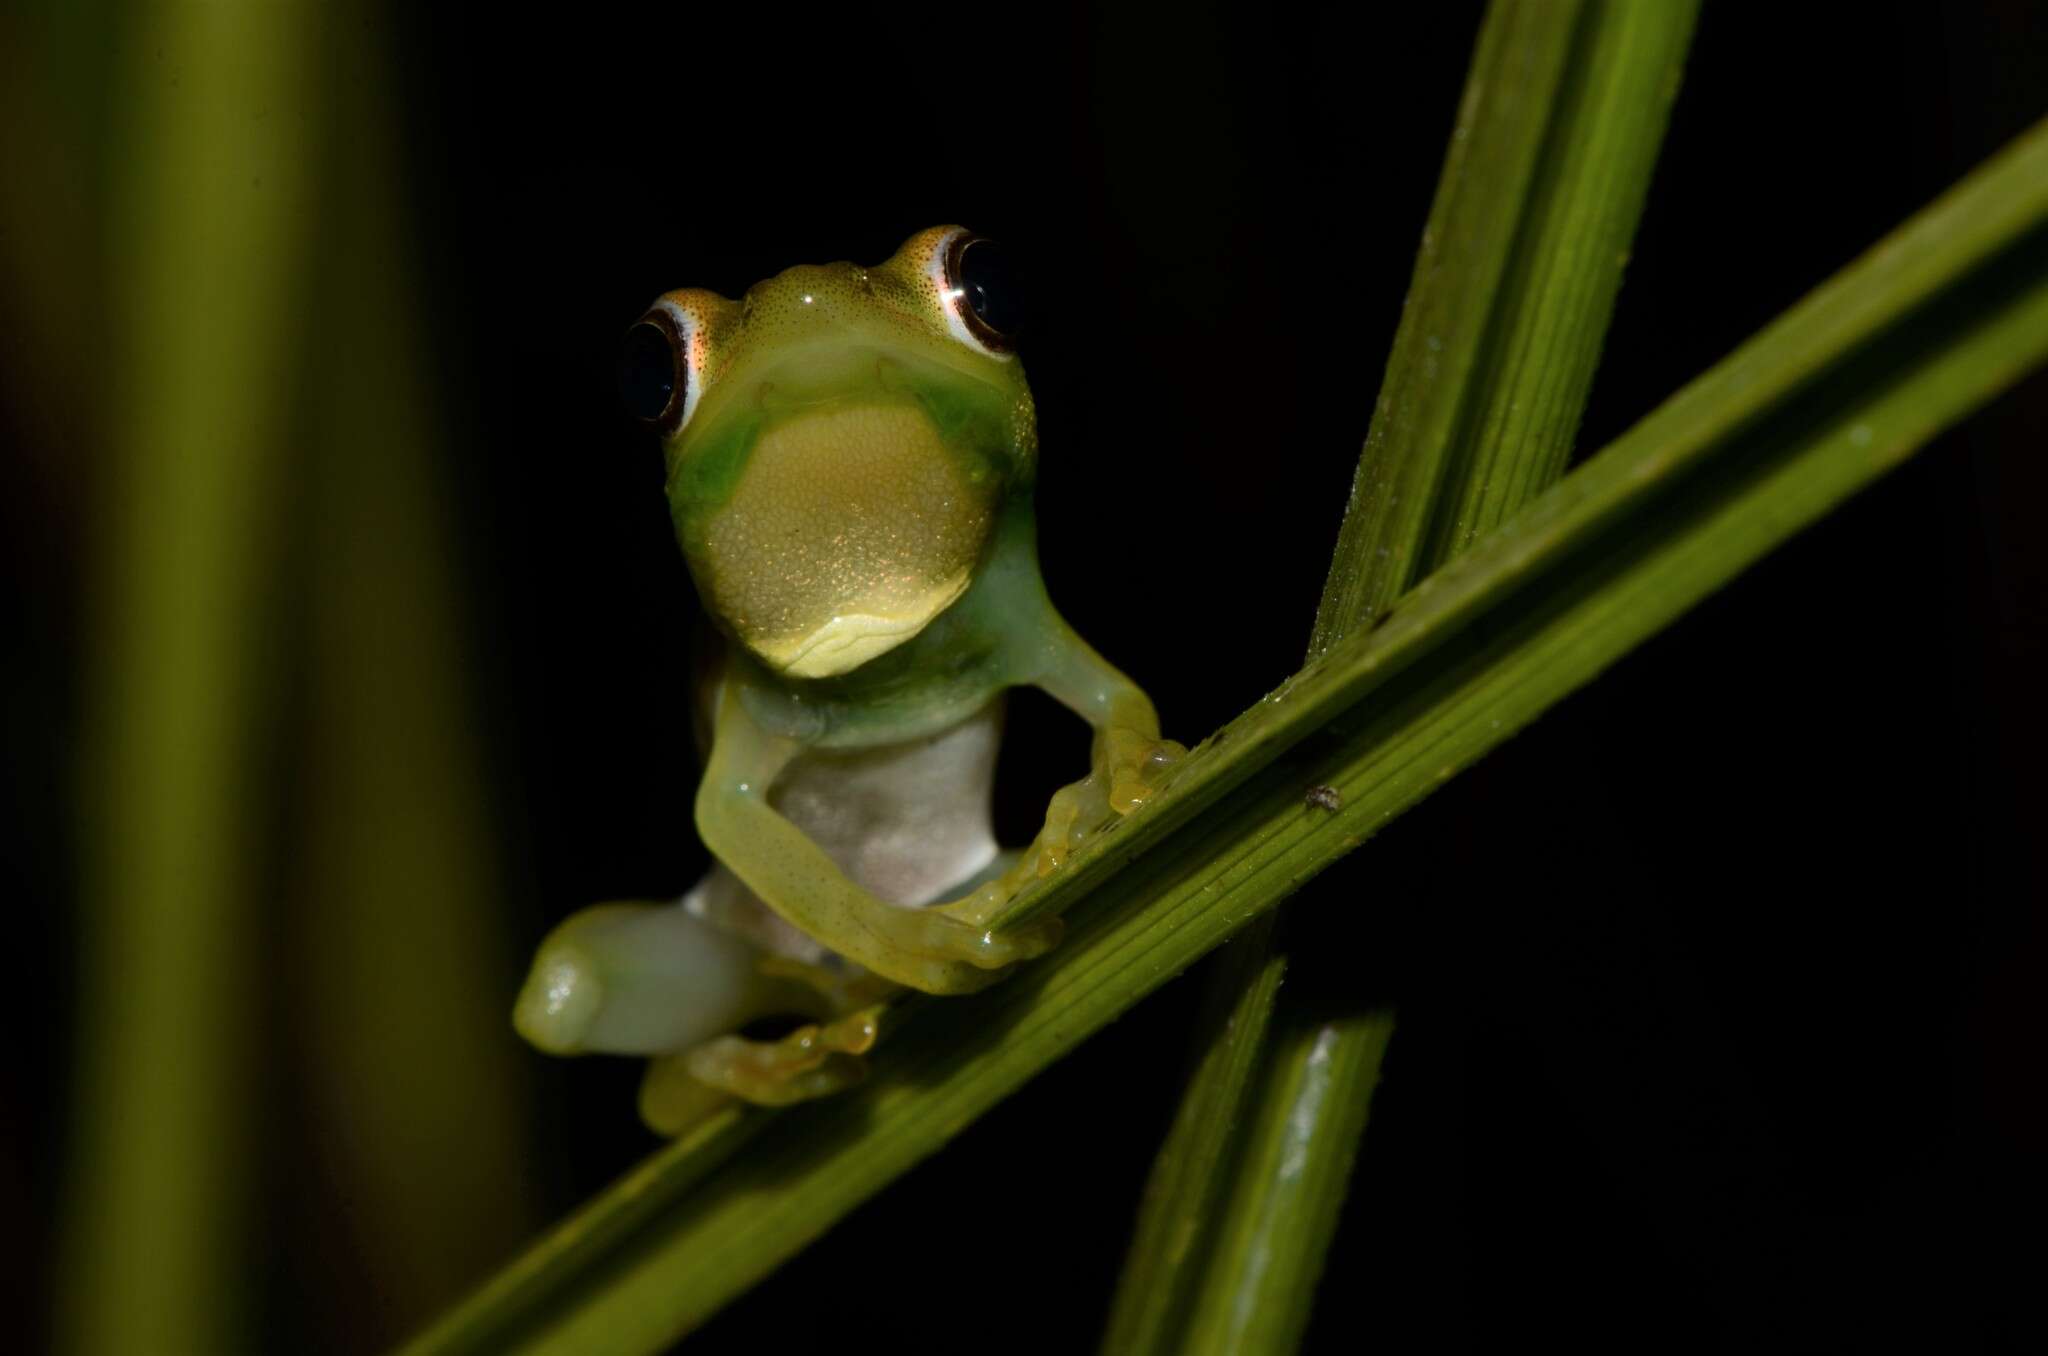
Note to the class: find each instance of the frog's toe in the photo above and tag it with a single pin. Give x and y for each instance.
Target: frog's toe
(561, 999)
(946, 977)
(796, 1068)
(988, 948)
(672, 1102)
(855, 1033)
(1140, 766)
(1027, 942)
(944, 949)
(683, 1088)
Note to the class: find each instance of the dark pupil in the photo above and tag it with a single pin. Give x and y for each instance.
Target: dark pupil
(990, 286)
(647, 371)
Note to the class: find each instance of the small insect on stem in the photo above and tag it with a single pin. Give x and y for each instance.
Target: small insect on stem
(1324, 797)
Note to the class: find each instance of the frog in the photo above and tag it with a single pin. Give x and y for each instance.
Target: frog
(851, 457)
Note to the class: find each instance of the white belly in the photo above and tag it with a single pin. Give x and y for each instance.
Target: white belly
(908, 822)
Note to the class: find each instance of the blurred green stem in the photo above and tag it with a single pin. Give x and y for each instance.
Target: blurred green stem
(209, 234)
(405, 971)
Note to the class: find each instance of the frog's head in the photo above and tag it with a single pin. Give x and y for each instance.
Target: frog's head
(840, 441)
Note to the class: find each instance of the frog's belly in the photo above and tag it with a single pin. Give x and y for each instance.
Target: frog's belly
(908, 822)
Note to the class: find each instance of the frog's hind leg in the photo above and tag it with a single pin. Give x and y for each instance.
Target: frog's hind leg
(655, 979)
(814, 1060)
(647, 979)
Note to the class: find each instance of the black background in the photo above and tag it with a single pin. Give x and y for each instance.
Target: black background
(1720, 988)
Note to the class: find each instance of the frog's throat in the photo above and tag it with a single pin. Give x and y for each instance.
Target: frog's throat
(852, 527)
(845, 643)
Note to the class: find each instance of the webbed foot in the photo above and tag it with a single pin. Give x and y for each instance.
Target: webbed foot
(1128, 768)
(682, 1089)
(940, 951)
(814, 1060)
(1135, 763)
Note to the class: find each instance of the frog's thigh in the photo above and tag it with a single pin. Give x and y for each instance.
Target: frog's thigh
(636, 979)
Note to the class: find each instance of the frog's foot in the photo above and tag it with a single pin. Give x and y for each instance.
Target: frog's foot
(1135, 764)
(938, 950)
(767, 1073)
(683, 1089)
(1128, 768)
(812, 1061)
(1075, 812)
(856, 1032)
(672, 1103)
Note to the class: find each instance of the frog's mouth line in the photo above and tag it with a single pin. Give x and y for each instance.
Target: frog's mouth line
(845, 643)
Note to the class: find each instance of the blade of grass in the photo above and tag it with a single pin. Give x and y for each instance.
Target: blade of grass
(209, 232)
(1926, 327)
(1190, 1176)
(584, 1244)
(1282, 1209)
(1553, 312)
(1538, 346)
(1521, 71)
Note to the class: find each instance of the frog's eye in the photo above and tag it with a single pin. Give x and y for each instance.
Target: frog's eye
(659, 371)
(980, 293)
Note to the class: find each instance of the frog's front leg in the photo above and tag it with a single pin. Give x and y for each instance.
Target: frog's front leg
(1127, 760)
(923, 948)
(1129, 756)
